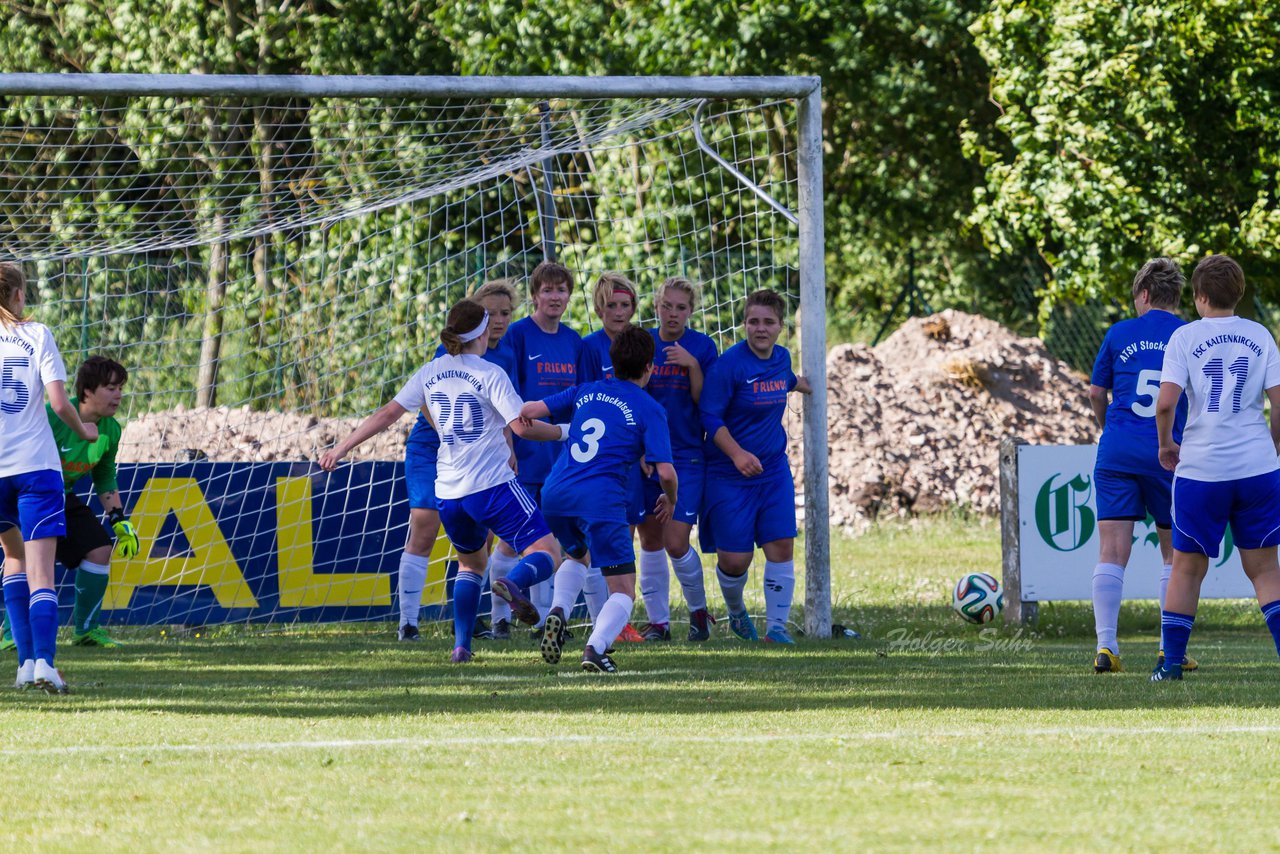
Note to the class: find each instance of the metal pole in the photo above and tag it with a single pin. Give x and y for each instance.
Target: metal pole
(1015, 610)
(813, 364)
(547, 210)
(404, 86)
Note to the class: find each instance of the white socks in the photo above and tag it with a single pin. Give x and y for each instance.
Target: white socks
(498, 567)
(732, 586)
(613, 617)
(688, 570)
(413, 576)
(541, 595)
(595, 591)
(569, 580)
(655, 585)
(779, 587)
(1166, 572)
(1108, 590)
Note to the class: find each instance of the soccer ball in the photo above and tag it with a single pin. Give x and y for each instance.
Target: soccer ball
(978, 598)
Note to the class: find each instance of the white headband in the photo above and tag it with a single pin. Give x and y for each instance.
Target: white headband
(464, 337)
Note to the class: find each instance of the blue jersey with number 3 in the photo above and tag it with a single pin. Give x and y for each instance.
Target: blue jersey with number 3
(1129, 364)
(614, 423)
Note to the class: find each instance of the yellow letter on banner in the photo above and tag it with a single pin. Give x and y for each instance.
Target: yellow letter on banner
(300, 586)
(210, 563)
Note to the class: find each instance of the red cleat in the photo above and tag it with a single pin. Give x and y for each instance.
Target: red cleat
(630, 635)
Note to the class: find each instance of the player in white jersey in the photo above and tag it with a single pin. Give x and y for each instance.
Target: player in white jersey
(1225, 470)
(31, 499)
(470, 402)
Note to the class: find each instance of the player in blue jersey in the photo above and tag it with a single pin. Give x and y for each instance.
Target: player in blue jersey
(749, 497)
(470, 403)
(32, 513)
(1128, 478)
(420, 451)
(1225, 468)
(615, 300)
(545, 354)
(586, 496)
(681, 360)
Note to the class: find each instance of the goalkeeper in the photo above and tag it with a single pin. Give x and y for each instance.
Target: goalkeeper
(87, 546)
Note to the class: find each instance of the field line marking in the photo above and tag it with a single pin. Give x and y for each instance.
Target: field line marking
(762, 738)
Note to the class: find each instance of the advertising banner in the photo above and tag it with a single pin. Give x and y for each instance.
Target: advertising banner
(1058, 534)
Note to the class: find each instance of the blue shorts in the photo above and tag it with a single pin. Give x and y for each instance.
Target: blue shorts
(1203, 509)
(420, 476)
(506, 509)
(739, 515)
(534, 488)
(1130, 497)
(690, 481)
(609, 542)
(34, 501)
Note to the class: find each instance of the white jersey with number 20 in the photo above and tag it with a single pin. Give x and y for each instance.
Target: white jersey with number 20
(29, 360)
(1225, 364)
(470, 402)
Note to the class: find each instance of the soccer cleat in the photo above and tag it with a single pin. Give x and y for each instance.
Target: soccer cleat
(461, 655)
(1166, 672)
(96, 636)
(778, 634)
(596, 662)
(49, 679)
(553, 636)
(521, 608)
(743, 627)
(1188, 663)
(630, 635)
(654, 632)
(481, 630)
(1107, 661)
(408, 633)
(502, 630)
(26, 675)
(700, 623)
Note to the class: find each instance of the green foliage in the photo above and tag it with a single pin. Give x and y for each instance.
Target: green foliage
(1135, 130)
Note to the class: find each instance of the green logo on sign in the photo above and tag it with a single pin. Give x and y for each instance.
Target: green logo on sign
(1063, 515)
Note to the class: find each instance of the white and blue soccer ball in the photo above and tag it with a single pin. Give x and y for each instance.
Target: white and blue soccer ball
(978, 598)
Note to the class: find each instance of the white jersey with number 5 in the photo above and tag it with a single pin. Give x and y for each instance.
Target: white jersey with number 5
(1225, 364)
(470, 402)
(29, 359)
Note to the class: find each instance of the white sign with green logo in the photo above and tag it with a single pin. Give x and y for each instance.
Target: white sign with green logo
(1058, 534)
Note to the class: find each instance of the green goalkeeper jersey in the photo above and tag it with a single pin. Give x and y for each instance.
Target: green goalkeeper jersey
(80, 457)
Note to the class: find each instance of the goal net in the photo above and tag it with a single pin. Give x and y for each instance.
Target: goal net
(271, 269)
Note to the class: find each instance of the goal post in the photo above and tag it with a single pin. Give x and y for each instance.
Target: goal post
(235, 238)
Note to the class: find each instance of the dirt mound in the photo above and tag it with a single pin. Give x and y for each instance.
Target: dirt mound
(239, 434)
(915, 423)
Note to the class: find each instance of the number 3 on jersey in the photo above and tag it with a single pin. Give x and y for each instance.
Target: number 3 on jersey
(592, 433)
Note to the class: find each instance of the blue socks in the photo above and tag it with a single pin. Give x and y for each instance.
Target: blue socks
(466, 601)
(1175, 631)
(1271, 613)
(532, 569)
(17, 598)
(44, 624)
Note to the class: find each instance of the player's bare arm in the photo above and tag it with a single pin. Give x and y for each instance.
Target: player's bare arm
(1166, 406)
(389, 414)
(63, 409)
(747, 463)
(1099, 398)
(1273, 398)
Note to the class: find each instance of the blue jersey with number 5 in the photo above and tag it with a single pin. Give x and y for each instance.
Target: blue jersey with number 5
(1129, 364)
(614, 423)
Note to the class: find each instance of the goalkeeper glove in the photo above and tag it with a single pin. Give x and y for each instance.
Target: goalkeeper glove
(126, 534)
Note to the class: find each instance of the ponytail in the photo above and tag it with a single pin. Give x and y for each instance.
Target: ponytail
(463, 325)
(12, 283)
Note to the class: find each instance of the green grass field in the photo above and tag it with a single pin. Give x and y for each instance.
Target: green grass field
(340, 738)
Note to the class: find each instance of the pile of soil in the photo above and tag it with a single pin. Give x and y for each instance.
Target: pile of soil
(916, 422)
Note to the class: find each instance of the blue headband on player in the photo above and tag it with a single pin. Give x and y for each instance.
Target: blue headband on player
(464, 337)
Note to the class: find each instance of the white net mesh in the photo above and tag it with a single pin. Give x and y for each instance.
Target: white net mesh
(271, 271)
